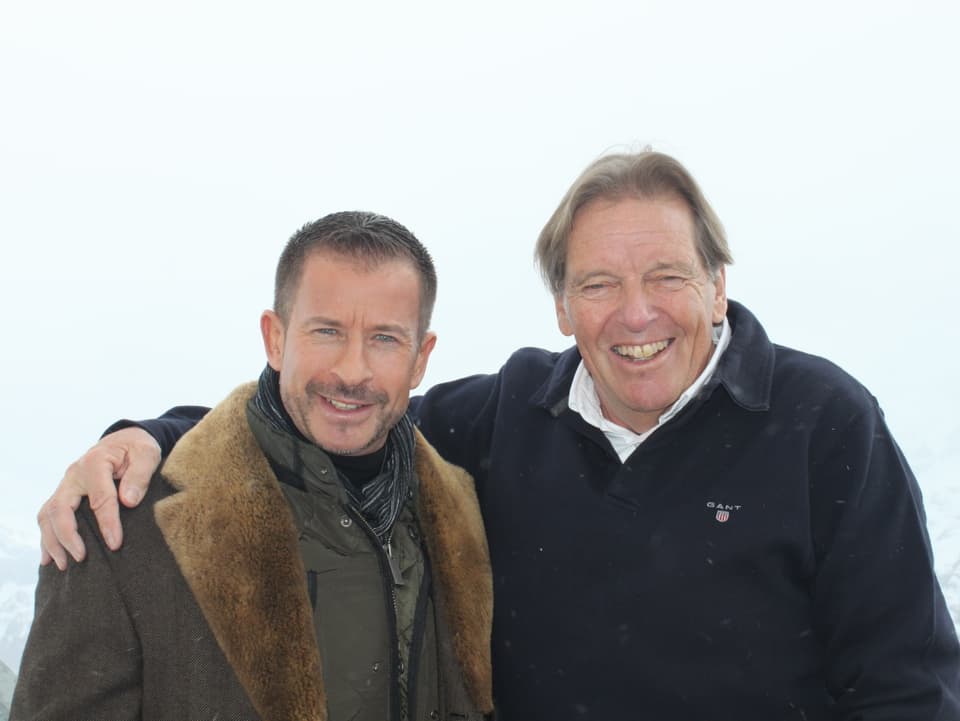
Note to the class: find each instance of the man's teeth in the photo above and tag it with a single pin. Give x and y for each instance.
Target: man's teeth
(641, 352)
(343, 406)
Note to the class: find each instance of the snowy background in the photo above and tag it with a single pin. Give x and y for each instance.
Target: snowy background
(155, 158)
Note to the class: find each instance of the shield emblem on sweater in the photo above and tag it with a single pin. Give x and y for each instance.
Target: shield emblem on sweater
(723, 516)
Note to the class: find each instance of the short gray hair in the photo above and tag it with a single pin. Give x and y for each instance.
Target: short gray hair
(646, 174)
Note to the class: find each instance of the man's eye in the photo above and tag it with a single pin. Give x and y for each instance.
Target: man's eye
(325, 331)
(596, 290)
(384, 338)
(670, 282)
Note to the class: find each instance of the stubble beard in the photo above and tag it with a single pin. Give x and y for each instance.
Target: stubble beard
(299, 407)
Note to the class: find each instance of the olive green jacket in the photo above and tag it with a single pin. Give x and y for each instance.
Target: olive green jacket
(204, 613)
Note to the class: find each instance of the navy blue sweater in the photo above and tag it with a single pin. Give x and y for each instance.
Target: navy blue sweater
(762, 556)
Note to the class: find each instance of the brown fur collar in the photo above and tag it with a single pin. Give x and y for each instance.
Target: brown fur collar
(253, 590)
(457, 544)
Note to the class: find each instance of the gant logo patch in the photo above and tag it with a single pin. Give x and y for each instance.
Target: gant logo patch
(722, 511)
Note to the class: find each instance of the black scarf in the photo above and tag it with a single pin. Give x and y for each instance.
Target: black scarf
(380, 500)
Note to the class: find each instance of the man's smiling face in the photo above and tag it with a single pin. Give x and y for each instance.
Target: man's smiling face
(640, 304)
(350, 351)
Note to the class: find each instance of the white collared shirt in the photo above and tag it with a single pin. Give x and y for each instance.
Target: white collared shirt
(584, 400)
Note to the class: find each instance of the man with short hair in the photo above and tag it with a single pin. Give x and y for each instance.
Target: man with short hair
(303, 553)
(685, 520)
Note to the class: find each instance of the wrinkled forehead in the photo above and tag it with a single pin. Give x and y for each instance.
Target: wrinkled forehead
(609, 227)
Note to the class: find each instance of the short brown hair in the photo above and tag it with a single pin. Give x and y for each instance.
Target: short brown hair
(646, 174)
(366, 237)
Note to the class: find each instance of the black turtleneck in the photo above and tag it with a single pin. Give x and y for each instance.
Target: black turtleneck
(359, 470)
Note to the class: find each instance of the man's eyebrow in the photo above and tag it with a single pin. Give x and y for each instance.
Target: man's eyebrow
(394, 329)
(587, 275)
(681, 265)
(322, 320)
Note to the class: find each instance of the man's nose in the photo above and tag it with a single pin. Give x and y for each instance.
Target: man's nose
(351, 365)
(637, 305)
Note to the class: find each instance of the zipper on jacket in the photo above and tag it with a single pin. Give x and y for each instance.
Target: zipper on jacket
(393, 562)
(387, 574)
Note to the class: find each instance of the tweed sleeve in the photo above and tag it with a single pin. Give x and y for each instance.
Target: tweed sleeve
(82, 661)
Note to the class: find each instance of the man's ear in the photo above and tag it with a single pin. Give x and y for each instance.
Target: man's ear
(563, 317)
(273, 331)
(720, 296)
(423, 355)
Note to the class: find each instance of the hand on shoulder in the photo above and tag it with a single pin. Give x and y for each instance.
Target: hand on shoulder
(130, 456)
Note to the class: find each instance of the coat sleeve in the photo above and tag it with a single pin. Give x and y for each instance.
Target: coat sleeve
(82, 660)
(168, 428)
(458, 419)
(890, 645)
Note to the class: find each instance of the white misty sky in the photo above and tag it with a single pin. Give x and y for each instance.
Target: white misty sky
(155, 158)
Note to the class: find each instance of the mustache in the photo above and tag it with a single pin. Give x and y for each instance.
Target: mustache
(358, 394)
